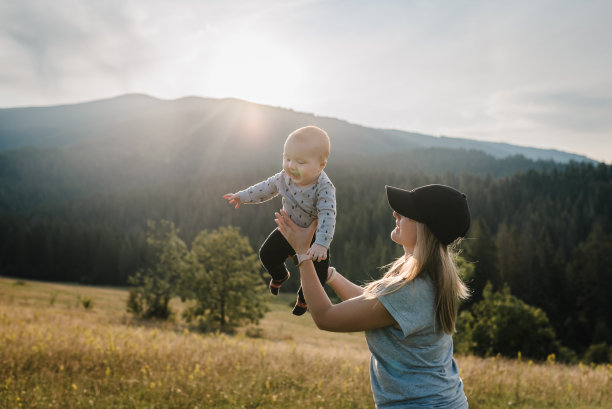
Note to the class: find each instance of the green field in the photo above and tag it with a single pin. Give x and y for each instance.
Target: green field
(55, 353)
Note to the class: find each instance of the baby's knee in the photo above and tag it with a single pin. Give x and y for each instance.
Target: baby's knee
(264, 253)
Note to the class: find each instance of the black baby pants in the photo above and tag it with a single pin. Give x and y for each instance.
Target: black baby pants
(273, 253)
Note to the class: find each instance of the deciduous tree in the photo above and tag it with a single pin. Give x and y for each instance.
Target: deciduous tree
(224, 281)
(154, 286)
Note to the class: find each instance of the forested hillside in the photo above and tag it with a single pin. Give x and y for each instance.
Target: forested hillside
(74, 204)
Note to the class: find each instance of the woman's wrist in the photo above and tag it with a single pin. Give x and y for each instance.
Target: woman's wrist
(301, 257)
(331, 275)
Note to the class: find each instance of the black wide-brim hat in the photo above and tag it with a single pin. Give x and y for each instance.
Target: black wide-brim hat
(442, 208)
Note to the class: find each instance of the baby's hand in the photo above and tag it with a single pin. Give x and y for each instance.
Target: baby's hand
(233, 198)
(317, 252)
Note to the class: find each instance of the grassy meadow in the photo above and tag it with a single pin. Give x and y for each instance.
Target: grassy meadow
(56, 353)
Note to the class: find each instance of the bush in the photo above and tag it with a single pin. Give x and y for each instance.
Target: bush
(598, 354)
(254, 332)
(86, 302)
(135, 303)
(503, 324)
(462, 340)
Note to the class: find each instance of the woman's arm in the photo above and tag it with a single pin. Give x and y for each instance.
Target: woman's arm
(342, 286)
(355, 314)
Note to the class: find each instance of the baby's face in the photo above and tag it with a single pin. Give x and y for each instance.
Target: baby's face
(302, 162)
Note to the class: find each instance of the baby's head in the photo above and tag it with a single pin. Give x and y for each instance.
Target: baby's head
(310, 140)
(305, 155)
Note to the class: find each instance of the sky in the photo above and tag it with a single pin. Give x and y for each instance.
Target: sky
(526, 72)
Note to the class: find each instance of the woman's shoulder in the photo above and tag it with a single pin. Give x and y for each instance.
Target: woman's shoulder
(420, 284)
(411, 296)
(412, 306)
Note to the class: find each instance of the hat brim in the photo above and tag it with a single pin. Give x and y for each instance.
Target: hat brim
(402, 201)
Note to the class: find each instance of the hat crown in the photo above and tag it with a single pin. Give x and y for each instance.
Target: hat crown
(442, 208)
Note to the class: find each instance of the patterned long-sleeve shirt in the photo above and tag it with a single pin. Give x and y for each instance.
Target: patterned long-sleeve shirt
(302, 204)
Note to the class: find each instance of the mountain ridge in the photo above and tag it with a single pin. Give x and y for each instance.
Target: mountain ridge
(194, 118)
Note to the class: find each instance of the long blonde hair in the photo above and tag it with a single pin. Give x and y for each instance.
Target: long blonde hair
(438, 261)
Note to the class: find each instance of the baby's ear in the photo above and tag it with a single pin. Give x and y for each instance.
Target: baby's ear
(323, 164)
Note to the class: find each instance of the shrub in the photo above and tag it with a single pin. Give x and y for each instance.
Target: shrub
(503, 324)
(598, 354)
(86, 302)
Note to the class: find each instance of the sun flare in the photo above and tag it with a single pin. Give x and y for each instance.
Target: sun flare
(256, 70)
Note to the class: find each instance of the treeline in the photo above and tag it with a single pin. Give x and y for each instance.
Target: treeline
(545, 233)
(44, 181)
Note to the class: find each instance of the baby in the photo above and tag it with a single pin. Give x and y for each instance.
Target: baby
(308, 194)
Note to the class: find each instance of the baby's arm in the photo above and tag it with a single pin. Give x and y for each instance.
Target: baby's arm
(233, 198)
(326, 207)
(317, 252)
(257, 193)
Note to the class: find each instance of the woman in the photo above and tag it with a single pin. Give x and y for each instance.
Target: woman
(409, 314)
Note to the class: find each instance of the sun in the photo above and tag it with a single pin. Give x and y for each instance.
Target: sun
(255, 69)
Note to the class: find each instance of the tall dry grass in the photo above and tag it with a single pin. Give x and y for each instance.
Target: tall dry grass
(54, 353)
(500, 382)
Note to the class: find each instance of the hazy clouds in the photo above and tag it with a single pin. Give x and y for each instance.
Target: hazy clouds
(526, 72)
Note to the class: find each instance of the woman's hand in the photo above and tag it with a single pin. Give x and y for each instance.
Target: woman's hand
(298, 237)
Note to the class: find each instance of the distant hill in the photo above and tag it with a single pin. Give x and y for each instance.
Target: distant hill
(212, 130)
(133, 142)
(495, 149)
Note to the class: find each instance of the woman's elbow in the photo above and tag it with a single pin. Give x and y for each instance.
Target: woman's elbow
(324, 323)
(324, 327)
